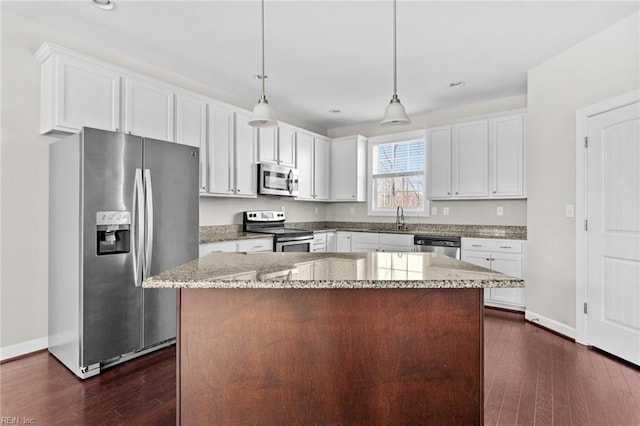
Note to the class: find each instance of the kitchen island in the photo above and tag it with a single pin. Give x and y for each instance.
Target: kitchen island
(330, 338)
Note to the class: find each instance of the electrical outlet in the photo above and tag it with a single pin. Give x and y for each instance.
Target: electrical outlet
(434, 211)
(500, 211)
(282, 209)
(445, 211)
(316, 210)
(352, 210)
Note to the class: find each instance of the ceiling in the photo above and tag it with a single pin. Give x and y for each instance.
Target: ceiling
(325, 55)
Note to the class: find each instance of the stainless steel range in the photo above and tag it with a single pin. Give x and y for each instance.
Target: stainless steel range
(272, 222)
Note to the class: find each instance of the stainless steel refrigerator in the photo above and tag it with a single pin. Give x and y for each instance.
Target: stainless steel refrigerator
(121, 208)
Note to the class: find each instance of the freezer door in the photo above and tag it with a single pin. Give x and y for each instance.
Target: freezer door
(171, 174)
(111, 302)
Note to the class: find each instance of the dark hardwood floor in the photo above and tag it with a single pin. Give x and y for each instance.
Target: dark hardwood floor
(532, 377)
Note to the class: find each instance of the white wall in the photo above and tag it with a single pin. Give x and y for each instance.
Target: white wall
(460, 212)
(600, 67)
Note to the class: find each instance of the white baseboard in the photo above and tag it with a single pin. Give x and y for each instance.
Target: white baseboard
(556, 326)
(23, 348)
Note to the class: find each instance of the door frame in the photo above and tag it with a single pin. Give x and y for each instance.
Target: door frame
(582, 118)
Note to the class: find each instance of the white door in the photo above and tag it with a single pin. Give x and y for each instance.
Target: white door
(613, 236)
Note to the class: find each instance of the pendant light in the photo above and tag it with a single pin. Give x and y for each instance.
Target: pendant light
(395, 113)
(262, 115)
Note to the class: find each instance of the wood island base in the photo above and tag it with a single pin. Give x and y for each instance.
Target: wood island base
(330, 356)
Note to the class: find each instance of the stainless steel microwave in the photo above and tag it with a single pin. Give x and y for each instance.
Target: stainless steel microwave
(277, 180)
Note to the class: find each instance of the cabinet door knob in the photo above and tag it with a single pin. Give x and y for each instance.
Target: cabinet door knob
(495, 192)
(456, 192)
(448, 193)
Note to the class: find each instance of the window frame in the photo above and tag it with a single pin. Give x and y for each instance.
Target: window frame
(394, 138)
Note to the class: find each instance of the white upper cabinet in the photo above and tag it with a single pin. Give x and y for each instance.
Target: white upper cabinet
(246, 172)
(507, 154)
(439, 157)
(286, 146)
(191, 128)
(77, 91)
(231, 153)
(480, 159)
(220, 156)
(321, 168)
(268, 145)
(304, 164)
(312, 162)
(277, 145)
(471, 159)
(349, 168)
(148, 108)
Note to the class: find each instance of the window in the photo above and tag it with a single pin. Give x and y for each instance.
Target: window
(397, 174)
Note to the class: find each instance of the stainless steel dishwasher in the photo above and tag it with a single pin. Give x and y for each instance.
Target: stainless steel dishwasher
(449, 246)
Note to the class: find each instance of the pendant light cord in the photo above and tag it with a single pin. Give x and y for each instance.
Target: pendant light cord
(263, 98)
(395, 55)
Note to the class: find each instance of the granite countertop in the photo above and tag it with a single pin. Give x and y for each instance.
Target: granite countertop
(216, 234)
(213, 234)
(329, 270)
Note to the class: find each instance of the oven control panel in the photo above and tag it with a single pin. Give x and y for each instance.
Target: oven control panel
(264, 216)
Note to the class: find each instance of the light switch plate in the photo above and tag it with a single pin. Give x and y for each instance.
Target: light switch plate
(352, 210)
(445, 211)
(569, 210)
(434, 211)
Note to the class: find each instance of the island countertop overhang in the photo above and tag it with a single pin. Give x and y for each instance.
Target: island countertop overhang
(329, 271)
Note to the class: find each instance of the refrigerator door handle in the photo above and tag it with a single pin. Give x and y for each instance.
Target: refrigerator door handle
(148, 247)
(138, 231)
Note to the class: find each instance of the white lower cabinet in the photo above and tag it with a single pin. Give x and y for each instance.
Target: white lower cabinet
(319, 243)
(504, 256)
(365, 242)
(223, 246)
(396, 242)
(332, 243)
(381, 242)
(343, 241)
(252, 245)
(255, 245)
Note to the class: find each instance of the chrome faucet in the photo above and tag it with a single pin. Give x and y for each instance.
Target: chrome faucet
(400, 218)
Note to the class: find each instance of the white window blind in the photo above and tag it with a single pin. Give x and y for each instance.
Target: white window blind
(398, 175)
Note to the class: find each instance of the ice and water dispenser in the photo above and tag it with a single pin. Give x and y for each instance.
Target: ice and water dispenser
(113, 228)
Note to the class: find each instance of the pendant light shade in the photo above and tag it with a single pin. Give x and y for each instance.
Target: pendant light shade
(262, 115)
(395, 113)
